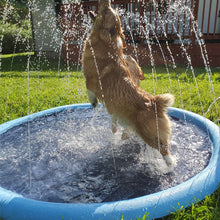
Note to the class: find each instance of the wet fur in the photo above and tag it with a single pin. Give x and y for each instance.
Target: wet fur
(133, 67)
(109, 79)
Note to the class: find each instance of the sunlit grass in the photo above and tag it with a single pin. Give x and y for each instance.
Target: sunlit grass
(191, 93)
(16, 54)
(28, 87)
(25, 92)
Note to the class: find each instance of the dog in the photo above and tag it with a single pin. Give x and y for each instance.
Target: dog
(134, 68)
(136, 75)
(109, 80)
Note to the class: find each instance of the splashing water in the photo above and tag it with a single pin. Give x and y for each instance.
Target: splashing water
(71, 159)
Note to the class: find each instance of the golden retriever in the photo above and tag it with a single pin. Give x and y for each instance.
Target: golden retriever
(108, 78)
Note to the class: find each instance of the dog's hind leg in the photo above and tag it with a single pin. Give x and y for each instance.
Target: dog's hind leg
(126, 133)
(92, 98)
(165, 129)
(155, 133)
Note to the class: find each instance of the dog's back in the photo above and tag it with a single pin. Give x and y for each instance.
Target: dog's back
(134, 69)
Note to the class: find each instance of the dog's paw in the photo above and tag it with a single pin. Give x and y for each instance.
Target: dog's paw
(169, 160)
(94, 103)
(92, 98)
(124, 136)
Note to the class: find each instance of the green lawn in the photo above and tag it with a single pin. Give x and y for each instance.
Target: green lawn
(28, 88)
(43, 86)
(30, 84)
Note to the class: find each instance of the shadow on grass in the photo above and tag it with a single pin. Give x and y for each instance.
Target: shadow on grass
(179, 72)
(76, 75)
(42, 65)
(28, 65)
(23, 62)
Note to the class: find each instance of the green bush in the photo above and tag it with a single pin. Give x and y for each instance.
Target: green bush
(16, 38)
(13, 11)
(15, 27)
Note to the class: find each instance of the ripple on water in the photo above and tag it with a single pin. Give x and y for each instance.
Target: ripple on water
(75, 158)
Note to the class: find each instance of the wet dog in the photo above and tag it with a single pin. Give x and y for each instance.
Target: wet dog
(133, 67)
(109, 79)
(135, 73)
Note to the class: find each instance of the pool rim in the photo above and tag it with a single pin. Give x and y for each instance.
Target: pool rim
(15, 206)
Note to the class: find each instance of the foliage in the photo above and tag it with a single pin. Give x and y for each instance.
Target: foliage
(43, 87)
(50, 87)
(209, 209)
(15, 27)
(191, 93)
(13, 11)
(16, 38)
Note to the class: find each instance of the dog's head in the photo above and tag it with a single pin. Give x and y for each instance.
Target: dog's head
(107, 19)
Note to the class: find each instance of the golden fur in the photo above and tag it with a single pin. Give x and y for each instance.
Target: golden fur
(134, 69)
(109, 79)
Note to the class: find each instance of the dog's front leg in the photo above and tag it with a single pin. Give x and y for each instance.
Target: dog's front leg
(114, 124)
(92, 98)
(166, 155)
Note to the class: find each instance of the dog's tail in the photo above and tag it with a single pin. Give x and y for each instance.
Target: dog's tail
(164, 101)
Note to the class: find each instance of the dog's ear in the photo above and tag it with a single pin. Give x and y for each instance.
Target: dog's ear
(92, 15)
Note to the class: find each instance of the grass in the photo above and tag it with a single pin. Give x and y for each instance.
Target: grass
(208, 209)
(24, 92)
(29, 84)
(193, 94)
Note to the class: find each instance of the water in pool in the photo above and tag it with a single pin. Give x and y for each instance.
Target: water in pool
(72, 157)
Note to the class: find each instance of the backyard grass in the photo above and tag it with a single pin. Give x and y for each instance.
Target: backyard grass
(29, 84)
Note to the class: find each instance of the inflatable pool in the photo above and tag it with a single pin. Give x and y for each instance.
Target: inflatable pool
(14, 206)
